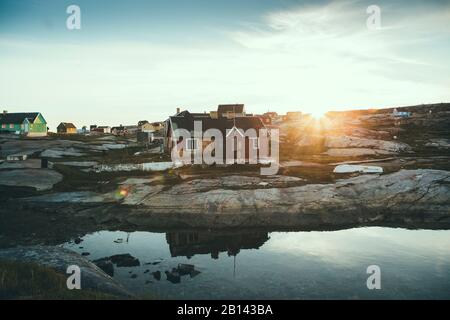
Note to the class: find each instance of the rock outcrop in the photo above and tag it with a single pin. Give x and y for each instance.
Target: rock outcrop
(60, 259)
(408, 196)
(40, 179)
(334, 142)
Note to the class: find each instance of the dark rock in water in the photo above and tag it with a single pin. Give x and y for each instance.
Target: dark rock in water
(147, 271)
(134, 276)
(148, 281)
(152, 263)
(194, 273)
(123, 260)
(78, 240)
(173, 277)
(157, 275)
(184, 269)
(106, 266)
(80, 247)
(85, 254)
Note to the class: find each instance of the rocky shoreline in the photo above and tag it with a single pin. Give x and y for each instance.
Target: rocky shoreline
(404, 198)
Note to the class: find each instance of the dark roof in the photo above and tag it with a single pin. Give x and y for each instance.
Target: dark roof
(235, 108)
(244, 123)
(8, 118)
(186, 113)
(68, 125)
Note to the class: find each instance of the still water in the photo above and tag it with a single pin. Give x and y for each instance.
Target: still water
(280, 265)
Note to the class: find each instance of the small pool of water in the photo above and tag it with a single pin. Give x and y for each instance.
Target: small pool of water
(414, 264)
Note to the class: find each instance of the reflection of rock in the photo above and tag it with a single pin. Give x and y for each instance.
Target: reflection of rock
(173, 276)
(121, 260)
(191, 243)
(106, 265)
(157, 275)
(187, 269)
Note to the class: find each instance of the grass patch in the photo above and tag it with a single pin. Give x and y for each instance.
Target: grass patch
(23, 280)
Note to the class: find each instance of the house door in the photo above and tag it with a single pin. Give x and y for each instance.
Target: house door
(26, 127)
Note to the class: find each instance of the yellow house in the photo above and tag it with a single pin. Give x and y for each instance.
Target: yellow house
(66, 128)
(151, 127)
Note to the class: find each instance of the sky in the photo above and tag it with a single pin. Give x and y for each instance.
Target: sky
(140, 60)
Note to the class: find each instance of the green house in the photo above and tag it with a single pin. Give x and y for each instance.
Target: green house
(30, 124)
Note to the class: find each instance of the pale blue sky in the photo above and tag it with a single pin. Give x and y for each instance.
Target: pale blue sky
(135, 60)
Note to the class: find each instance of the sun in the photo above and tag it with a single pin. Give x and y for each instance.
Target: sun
(317, 114)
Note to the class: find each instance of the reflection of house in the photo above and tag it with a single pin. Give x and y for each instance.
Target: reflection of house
(66, 128)
(191, 243)
(229, 120)
(30, 124)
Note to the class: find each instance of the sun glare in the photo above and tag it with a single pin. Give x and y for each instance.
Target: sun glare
(318, 114)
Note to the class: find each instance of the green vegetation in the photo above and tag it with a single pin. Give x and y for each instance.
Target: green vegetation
(20, 280)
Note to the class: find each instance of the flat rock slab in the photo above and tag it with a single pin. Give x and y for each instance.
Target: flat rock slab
(356, 152)
(26, 164)
(407, 196)
(40, 179)
(356, 142)
(60, 259)
(61, 152)
(34, 145)
(78, 163)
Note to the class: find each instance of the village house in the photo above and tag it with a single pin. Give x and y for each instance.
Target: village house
(401, 114)
(119, 131)
(124, 130)
(31, 124)
(94, 129)
(150, 132)
(228, 119)
(145, 126)
(66, 128)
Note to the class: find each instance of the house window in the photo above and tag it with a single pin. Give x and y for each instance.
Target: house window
(191, 144)
(255, 143)
(3, 126)
(11, 126)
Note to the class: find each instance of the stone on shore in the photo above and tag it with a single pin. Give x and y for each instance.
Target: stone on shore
(40, 179)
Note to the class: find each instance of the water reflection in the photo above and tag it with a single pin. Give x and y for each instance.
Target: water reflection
(189, 244)
(238, 264)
